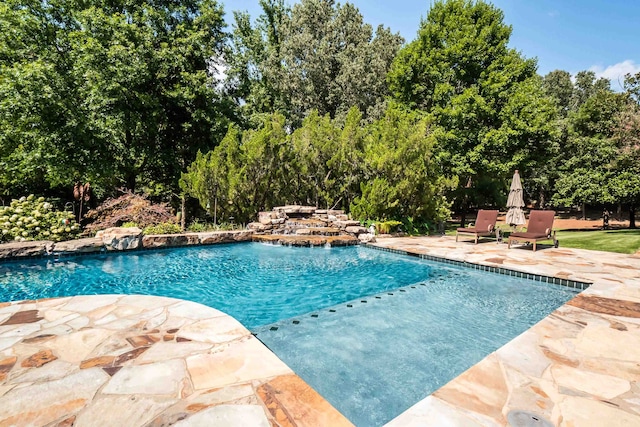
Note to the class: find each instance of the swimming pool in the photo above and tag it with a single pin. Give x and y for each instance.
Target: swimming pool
(256, 283)
(373, 332)
(373, 358)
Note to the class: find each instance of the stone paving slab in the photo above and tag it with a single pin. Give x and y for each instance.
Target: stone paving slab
(133, 360)
(580, 366)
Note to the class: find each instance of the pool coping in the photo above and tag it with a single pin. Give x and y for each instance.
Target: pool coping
(140, 360)
(574, 284)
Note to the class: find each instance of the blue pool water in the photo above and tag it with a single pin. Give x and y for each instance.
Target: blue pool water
(373, 332)
(255, 283)
(374, 357)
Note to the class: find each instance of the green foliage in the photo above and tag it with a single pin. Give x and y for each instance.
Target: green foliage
(402, 177)
(246, 173)
(318, 55)
(600, 162)
(30, 218)
(162, 228)
(490, 114)
(382, 170)
(118, 93)
(129, 224)
(558, 86)
(386, 227)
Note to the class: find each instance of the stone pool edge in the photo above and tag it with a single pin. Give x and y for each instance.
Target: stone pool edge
(570, 368)
(125, 242)
(156, 360)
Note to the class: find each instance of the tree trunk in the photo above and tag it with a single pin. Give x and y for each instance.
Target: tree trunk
(182, 215)
(131, 182)
(584, 211)
(632, 216)
(463, 214)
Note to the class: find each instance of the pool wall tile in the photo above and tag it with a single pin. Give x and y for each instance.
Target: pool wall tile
(488, 268)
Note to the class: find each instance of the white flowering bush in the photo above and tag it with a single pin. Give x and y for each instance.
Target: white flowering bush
(30, 218)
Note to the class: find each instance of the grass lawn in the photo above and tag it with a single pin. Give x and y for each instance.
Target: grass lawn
(621, 241)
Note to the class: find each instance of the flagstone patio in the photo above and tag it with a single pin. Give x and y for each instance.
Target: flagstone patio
(139, 360)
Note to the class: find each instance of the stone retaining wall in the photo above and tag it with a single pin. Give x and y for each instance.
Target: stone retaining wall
(119, 239)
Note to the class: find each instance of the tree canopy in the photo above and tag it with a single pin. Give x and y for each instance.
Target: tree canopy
(486, 99)
(318, 55)
(118, 93)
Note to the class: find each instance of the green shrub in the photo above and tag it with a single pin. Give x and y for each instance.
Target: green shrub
(197, 227)
(386, 227)
(162, 228)
(129, 224)
(30, 218)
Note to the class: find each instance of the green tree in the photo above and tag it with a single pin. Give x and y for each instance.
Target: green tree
(586, 85)
(486, 100)
(244, 174)
(118, 93)
(317, 56)
(402, 177)
(558, 85)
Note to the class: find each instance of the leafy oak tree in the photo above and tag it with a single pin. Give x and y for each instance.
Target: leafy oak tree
(486, 99)
(118, 93)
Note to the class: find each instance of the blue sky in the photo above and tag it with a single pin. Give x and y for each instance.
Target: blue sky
(571, 35)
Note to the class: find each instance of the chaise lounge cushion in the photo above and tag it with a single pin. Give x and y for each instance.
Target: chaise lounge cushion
(528, 235)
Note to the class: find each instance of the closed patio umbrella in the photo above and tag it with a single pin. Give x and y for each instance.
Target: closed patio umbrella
(515, 202)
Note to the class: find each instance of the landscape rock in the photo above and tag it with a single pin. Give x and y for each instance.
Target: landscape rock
(318, 231)
(266, 217)
(367, 238)
(25, 249)
(214, 237)
(256, 226)
(121, 238)
(87, 245)
(169, 240)
(356, 229)
(346, 223)
(295, 209)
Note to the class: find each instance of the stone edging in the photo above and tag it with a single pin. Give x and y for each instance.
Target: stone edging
(118, 239)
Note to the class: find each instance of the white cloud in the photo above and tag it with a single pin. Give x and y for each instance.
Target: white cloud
(616, 72)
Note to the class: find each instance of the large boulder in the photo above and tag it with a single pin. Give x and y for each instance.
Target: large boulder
(25, 249)
(295, 209)
(356, 229)
(121, 238)
(367, 238)
(346, 223)
(266, 217)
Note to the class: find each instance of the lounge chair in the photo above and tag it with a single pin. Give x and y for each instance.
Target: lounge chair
(485, 225)
(539, 228)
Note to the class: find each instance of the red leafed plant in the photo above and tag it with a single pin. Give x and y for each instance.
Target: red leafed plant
(128, 208)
